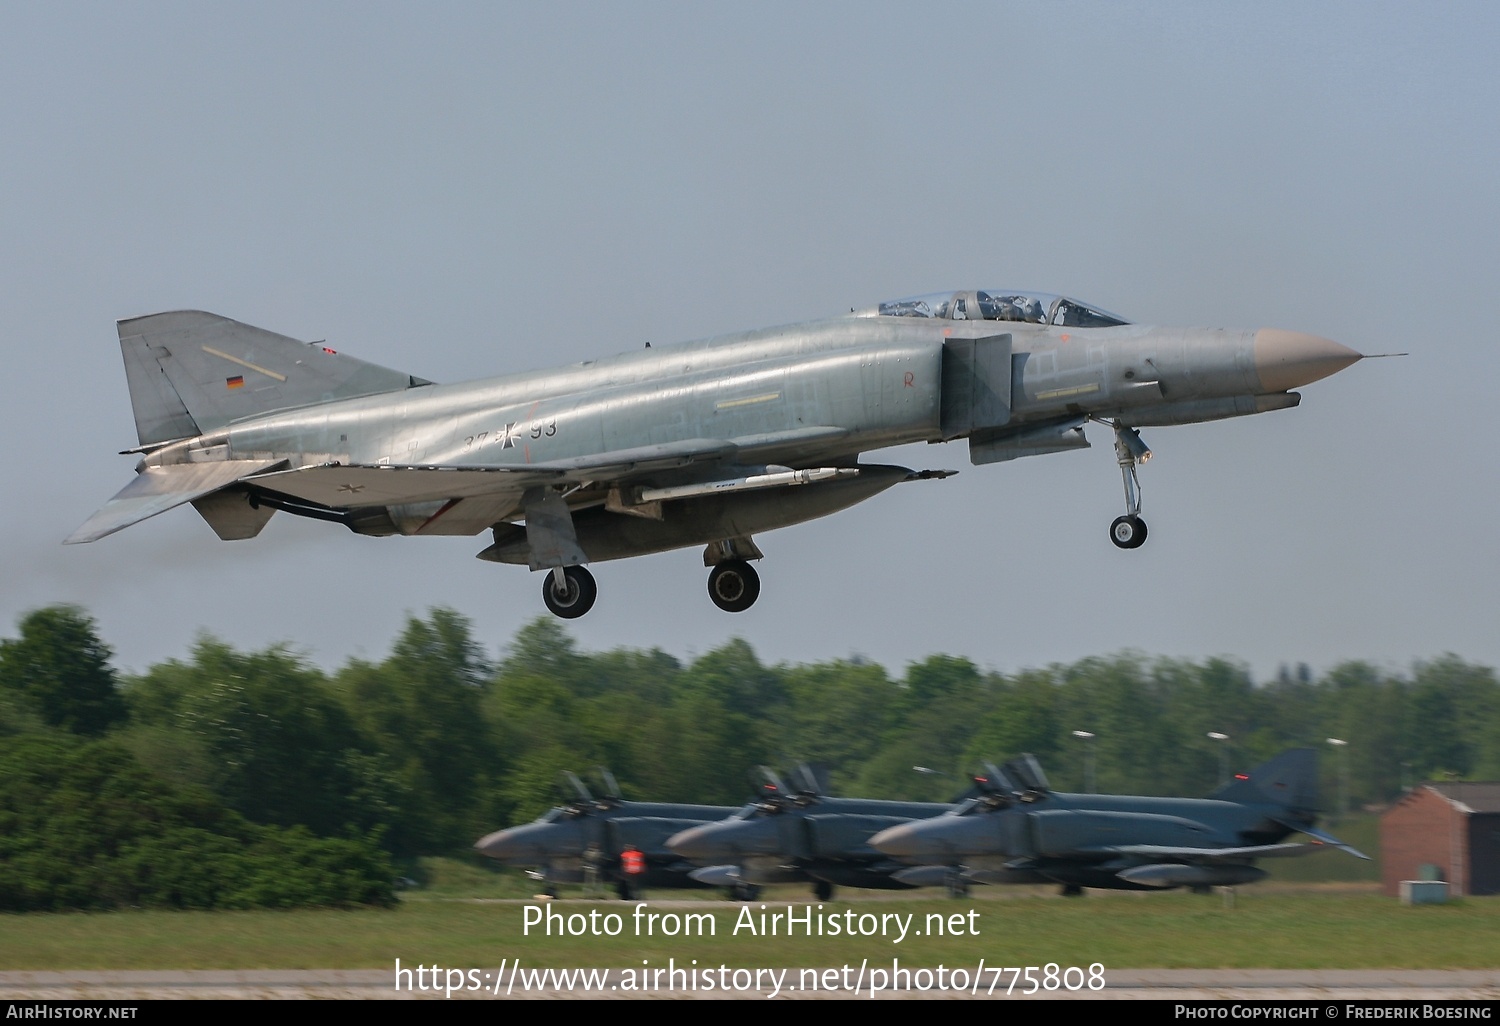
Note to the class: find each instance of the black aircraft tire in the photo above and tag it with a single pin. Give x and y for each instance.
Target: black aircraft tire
(580, 595)
(823, 890)
(1128, 532)
(734, 585)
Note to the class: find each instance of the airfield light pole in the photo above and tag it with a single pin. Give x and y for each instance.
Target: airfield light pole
(1223, 740)
(1343, 748)
(1088, 759)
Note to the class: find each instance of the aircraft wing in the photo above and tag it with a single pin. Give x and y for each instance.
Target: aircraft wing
(1253, 851)
(158, 489)
(340, 485)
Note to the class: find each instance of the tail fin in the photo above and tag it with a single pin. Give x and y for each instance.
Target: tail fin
(1289, 780)
(192, 372)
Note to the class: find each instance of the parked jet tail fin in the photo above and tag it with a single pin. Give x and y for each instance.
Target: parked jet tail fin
(158, 489)
(1290, 780)
(192, 372)
(812, 778)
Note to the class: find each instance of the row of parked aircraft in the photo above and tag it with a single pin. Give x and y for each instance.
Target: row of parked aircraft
(1010, 826)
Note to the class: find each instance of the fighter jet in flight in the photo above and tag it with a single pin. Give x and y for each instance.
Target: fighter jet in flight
(787, 835)
(1018, 830)
(588, 834)
(703, 443)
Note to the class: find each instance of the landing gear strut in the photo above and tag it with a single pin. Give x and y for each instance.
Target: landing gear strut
(1129, 531)
(734, 585)
(569, 591)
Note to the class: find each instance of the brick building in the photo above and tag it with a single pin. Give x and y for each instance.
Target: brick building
(1453, 826)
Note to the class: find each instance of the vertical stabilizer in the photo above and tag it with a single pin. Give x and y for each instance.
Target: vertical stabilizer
(192, 372)
(1289, 780)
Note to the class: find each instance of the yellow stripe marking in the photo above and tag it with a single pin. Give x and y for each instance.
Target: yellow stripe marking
(1062, 393)
(731, 403)
(211, 351)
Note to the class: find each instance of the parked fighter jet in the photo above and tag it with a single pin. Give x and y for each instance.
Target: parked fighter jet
(1021, 831)
(790, 835)
(703, 443)
(591, 833)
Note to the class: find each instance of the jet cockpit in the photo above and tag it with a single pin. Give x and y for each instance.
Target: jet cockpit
(1002, 305)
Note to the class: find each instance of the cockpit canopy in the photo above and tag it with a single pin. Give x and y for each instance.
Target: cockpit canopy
(1002, 305)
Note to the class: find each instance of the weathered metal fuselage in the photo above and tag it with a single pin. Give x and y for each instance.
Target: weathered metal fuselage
(814, 395)
(877, 379)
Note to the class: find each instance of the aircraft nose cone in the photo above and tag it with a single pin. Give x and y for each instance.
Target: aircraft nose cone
(1287, 359)
(498, 845)
(940, 837)
(725, 841)
(695, 843)
(531, 841)
(898, 841)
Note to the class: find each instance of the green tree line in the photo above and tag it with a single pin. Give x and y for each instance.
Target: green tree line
(235, 779)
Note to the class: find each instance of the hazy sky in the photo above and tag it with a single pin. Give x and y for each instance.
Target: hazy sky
(459, 190)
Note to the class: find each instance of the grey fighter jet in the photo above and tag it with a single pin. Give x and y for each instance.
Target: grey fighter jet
(792, 835)
(703, 443)
(1021, 831)
(592, 833)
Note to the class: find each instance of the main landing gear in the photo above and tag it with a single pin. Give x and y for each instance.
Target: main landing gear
(734, 585)
(569, 591)
(1129, 531)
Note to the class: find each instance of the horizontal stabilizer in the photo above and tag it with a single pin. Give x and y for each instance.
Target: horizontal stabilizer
(1328, 839)
(158, 489)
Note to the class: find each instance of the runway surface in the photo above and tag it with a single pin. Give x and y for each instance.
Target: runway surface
(378, 984)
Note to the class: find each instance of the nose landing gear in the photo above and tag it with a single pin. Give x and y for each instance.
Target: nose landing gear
(1129, 531)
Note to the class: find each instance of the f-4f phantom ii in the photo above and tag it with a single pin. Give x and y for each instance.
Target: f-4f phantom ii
(785, 836)
(703, 443)
(1021, 831)
(591, 833)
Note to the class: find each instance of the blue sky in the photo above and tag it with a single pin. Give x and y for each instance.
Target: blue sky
(460, 190)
